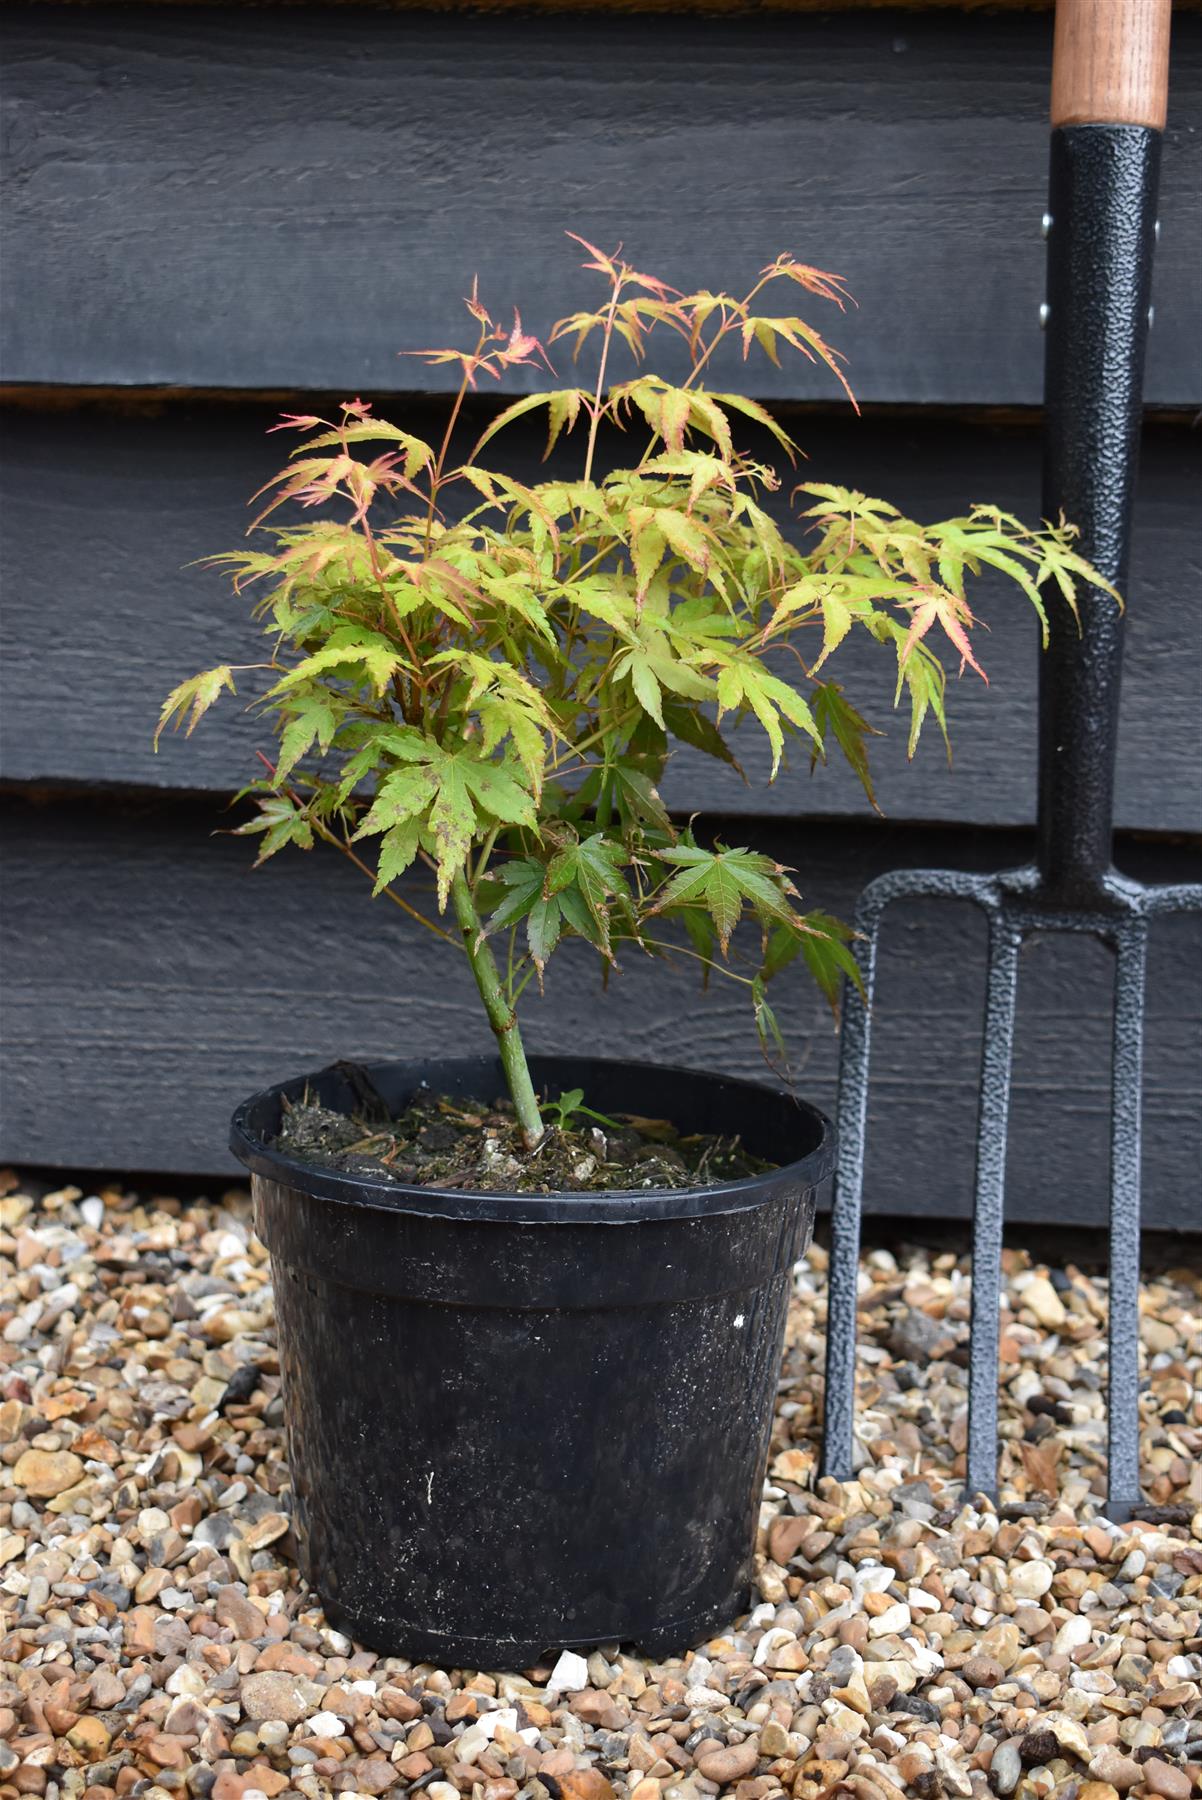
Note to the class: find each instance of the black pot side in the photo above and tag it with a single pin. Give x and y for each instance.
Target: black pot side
(525, 1423)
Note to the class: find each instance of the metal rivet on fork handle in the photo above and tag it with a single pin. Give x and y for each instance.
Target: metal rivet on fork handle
(1108, 115)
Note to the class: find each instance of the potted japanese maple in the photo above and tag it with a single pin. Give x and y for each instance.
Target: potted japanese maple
(531, 1309)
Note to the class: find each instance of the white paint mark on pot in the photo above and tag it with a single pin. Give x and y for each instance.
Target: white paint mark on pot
(430, 1488)
(740, 1321)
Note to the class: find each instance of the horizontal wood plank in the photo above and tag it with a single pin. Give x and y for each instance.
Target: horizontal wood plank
(104, 515)
(152, 980)
(199, 197)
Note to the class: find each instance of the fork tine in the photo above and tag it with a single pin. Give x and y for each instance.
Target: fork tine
(1126, 1111)
(839, 1399)
(989, 1204)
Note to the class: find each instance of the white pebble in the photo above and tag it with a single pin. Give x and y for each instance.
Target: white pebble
(472, 1744)
(502, 1718)
(326, 1724)
(91, 1211)
(894, 1618)
(1072, 1634)
(186, 1680)
(918, 1600)
(569, 1676)
(870, 1578)
(1031, 1580)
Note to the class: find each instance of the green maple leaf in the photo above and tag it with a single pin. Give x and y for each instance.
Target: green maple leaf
(349, 649)
(748, 683)
(824, 946)
(443, 789)
(724, 881)
(312, 720)
(398, 849)
(282, 822)
(836, 717)
(587, 877)
(192, 699)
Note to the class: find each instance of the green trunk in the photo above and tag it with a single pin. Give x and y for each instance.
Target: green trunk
(501, 1015)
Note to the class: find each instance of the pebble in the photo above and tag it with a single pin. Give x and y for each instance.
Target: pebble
(1006, 1767)
(569, 1675)
(1031, 1580)
(44, 1474)
(1109, 1765)
(1165, 1779)
(279, 1696)
(154, 1636)
(726, 1766)
(1041, 1298)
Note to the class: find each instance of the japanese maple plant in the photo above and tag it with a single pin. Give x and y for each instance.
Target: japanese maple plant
(486, 679)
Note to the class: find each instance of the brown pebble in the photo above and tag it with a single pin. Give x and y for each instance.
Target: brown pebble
(90, 1736)
(785, 1534)
(599, 1709)
(586, 1784)
(1119, 1771)
(395, 1703)
(414, 1766)
(375, 1774)
(240, 1614)
(1164, 1779)
(46, 1473)
(1039, 1745)
(106, 1688)
(982, 1672)
(729, 1764)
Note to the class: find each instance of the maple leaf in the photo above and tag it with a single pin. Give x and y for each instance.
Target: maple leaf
(835, 717)
(952, 615)
(723, 882)
(192, 699)
(281, 821)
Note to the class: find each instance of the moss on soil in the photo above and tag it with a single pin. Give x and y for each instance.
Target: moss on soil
(439, 1142)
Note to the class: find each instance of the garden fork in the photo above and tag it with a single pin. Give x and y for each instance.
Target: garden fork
(1109, 86)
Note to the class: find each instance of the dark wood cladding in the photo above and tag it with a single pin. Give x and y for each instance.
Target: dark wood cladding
(103, 513)
(153, 979)
(230, 197)
(280, 198)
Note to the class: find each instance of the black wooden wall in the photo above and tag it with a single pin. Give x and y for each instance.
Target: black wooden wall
(210, 210)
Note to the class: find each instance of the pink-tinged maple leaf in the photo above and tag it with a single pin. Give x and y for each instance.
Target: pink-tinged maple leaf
(521, 347)
(604, 265)
(296, 422)
(952, 615)
(471, 365)
(476, 306)
(357, 409)
(815, 281)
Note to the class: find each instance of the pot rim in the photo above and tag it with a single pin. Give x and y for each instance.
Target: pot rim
(608, 1207)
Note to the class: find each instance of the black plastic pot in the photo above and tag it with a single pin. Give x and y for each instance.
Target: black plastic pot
(523, 1423)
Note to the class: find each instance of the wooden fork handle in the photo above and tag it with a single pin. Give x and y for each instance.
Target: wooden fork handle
(1110, 63)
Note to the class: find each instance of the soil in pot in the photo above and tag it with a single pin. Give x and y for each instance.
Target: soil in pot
(443, 1142)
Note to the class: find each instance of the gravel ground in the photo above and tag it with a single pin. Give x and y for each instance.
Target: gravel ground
(157, 1641)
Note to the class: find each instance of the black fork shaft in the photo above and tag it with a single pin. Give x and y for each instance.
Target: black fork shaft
(1102, 212)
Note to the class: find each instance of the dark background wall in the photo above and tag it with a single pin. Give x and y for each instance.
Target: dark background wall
(211, 210)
